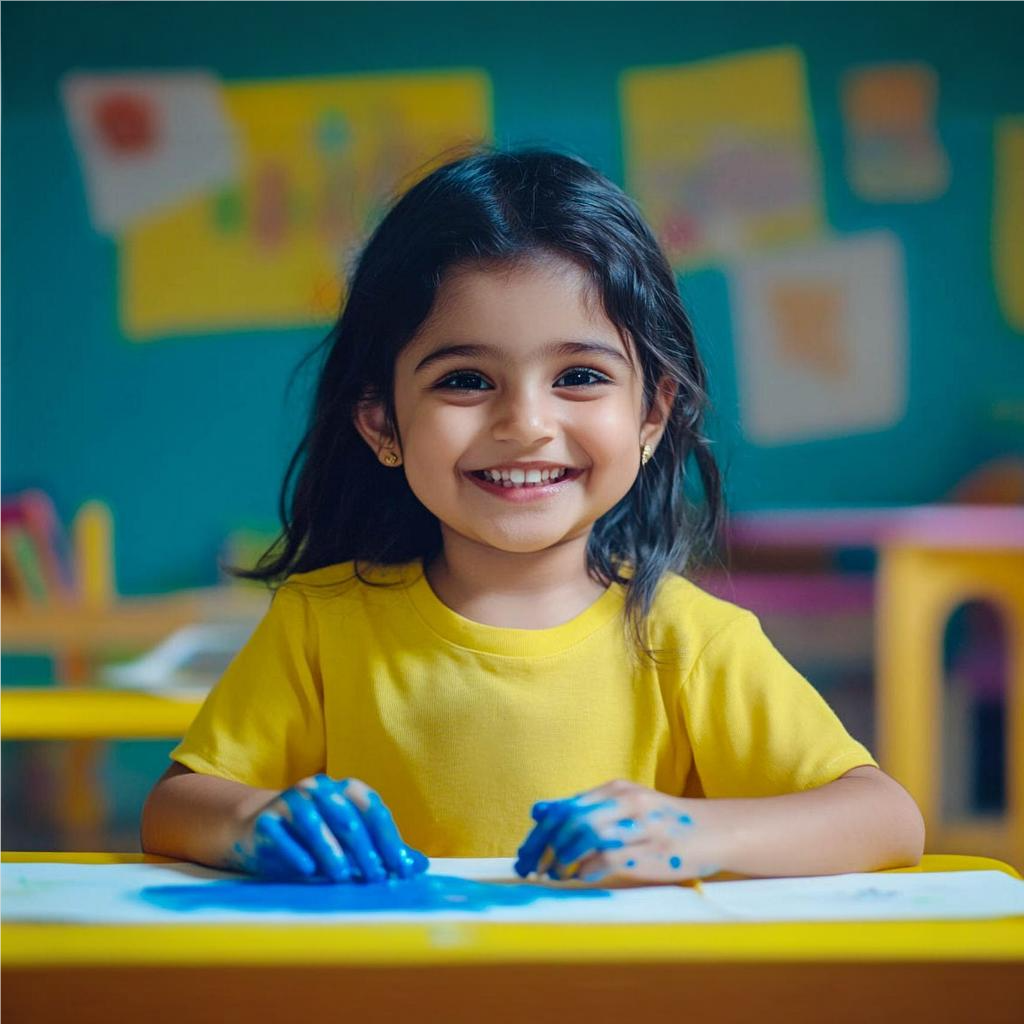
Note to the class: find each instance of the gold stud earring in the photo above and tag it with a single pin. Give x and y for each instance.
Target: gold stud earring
(390, 459)
(645, 455)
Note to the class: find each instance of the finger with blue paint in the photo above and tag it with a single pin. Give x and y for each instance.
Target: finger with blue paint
(380, 825)
(533, 846)
(541, 808)
(346, 825)
(363, 825)
(270, 847)
(306, 823)
(602, 826)
(535, 854)
(275, 854)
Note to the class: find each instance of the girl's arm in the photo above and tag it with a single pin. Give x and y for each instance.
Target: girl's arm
(862, 821)
(190, 816)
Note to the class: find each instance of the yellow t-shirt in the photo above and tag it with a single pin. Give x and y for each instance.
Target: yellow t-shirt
(461, 726)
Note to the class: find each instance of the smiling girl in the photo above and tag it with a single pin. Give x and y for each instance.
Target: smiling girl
(482, 637)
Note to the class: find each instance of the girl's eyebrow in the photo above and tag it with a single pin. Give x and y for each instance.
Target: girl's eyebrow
(555, 348)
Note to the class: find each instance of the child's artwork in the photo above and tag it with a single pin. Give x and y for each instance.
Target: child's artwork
(820, 334)
(1008, 218)
(893, 150)
(148, 142)
(486, 890)
(266, 240)
(715, 174)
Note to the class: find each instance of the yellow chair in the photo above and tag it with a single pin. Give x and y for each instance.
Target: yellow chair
(928, 568)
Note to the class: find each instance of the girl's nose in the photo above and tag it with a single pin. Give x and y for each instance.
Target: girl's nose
(524, 416)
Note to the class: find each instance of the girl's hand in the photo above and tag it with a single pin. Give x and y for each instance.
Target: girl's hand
(322, 827)
(620, 831)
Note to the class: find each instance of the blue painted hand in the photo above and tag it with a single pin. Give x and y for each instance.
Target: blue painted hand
(324, 829)
(621, 831)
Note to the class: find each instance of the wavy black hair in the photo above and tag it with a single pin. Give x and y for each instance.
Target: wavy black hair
(488, 208)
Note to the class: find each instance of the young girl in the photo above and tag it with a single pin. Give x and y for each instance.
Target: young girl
(482, 631)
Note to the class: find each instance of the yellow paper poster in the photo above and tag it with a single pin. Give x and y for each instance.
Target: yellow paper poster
(1008, 219)
(721, 156)
(319, 158)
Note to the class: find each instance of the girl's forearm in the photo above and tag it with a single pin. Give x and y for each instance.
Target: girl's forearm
(861, 822)
(190, 816)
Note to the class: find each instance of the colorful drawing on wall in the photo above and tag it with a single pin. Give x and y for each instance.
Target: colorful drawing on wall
(147, 142)
(268, 245)
(893, 150)
(320, 157)
(821, 339)
(1008, 218)
(716, 174)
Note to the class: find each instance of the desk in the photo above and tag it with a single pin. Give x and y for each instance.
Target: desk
(458, 973)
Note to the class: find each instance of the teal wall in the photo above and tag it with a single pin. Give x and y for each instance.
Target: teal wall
(187, 438)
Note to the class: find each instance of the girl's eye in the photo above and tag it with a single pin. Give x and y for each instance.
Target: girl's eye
(462, 375)
(446, 383)
(601, 378)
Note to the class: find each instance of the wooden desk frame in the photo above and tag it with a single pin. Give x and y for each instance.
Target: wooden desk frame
(460, 973)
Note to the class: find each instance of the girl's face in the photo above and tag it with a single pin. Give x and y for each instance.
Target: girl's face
(529, 392)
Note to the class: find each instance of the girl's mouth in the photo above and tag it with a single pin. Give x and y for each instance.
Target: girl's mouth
(525, 492)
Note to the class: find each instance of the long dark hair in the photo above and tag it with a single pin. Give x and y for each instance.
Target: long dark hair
(492, 208)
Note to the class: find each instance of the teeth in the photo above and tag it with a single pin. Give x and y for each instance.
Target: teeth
(520, 478)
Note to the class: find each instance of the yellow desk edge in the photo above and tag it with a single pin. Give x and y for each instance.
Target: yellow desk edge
(442, 942)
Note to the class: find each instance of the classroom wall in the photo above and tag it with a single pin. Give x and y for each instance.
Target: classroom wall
(186, 437)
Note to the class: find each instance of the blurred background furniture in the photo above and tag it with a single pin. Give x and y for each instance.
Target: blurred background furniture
(63, 603)
(931, 560)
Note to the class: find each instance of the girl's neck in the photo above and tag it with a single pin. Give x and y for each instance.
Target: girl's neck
(537, 590)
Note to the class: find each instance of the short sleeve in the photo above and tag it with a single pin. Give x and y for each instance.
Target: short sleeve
(262, 723)
(756, 726)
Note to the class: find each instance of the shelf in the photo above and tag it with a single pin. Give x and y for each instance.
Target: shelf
(130, 623)
(76, 713)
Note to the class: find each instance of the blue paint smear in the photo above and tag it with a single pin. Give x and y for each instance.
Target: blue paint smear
(675, 862)
(419, 894)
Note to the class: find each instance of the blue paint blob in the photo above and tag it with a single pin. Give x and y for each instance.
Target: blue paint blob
(630, 863)
(423, 893)
(626, 823)
(675, 862)
(685, 819)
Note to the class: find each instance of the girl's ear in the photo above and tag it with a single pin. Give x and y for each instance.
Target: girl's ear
(370, 420)
(656, 421)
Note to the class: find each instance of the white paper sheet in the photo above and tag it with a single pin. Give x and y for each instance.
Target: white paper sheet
(821, 338)
(148, 140)
(124, 894)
